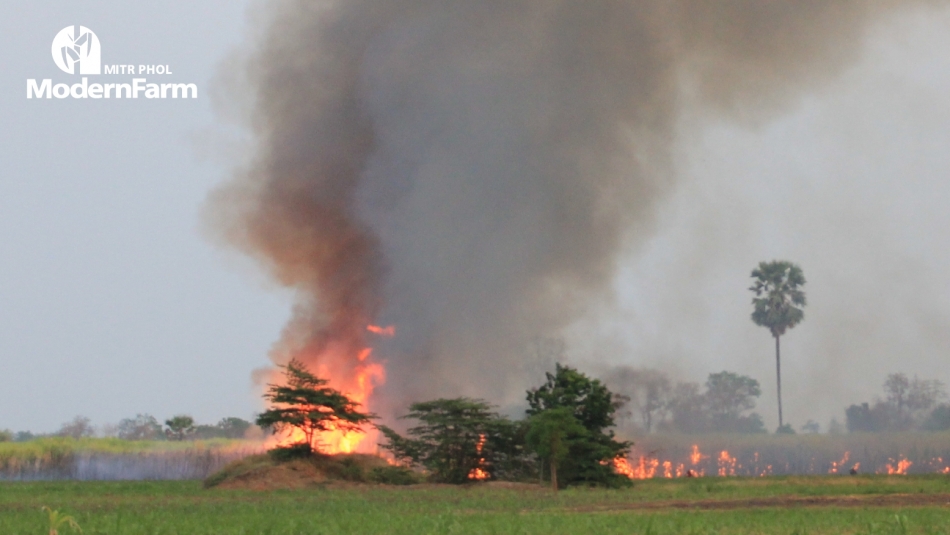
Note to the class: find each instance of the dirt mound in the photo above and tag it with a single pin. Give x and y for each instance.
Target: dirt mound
(270, 472)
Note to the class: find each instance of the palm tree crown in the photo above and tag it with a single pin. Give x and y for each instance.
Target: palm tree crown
(778, 297)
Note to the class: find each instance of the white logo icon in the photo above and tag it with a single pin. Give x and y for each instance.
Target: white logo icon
(72, 46)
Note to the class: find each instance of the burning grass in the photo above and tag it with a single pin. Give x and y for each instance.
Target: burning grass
(812, 504)
(666, 456)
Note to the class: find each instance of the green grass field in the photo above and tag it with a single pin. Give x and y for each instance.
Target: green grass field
(786, 505)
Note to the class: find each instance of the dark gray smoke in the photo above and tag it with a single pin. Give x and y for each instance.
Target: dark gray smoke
(470, 172)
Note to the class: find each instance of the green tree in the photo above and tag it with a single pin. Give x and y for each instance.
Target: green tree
(179, 426)
(551, 434)
(729, 394)
(594, 406)
(232, 427)
(455, 437)
(307, 404)
(778, 305)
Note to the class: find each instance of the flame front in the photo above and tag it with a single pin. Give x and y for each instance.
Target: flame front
(835, 466)
(479, 473)
(356, 376)
(899, 468)
(725, 464)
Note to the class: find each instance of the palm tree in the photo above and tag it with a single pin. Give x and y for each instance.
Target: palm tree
(778, 303)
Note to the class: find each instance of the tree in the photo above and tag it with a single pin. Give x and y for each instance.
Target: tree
(687, 409)
(720, 408)
(729, 394)
(233, 427)
(456, 439)
(78, 427)
(307, 404)
(778, 304)
(648, 390)
(896, 386)
(142, 427)
(179, 426)
(939, 419)
(924, 395)
(867, 419)
(551, 434)
(6, 435)
(907, 404)
(594, 406)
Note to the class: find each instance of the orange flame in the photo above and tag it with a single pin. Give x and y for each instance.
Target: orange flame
(355, 376)
(478, 473)
(727, 464)
(837, 465)
(696, 456)
(900, 468)
(389, 330)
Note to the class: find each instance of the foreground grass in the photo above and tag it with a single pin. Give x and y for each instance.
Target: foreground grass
(170, 507)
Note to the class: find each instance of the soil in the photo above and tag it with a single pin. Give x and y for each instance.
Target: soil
(290, 475)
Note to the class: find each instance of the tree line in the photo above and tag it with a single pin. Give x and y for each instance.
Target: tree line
(655, 403)
(142, 427)
(908, 405)
(565, 438)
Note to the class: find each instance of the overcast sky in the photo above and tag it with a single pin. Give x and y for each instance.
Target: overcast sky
(114, 302)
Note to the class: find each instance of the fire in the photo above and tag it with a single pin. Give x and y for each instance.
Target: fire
(478, 473)
(900, 468)
(389, 330)
(355, 376)
(727, 464)
(696, 456)
(837, 465)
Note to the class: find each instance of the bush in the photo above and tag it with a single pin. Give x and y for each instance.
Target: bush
(394, 475)
(282, 454)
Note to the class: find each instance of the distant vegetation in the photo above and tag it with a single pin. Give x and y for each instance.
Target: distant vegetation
(142, 427)
(656, 404)
(908, 404)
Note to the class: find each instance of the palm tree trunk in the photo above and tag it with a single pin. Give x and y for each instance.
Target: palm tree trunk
(554, 475)
(778, 377)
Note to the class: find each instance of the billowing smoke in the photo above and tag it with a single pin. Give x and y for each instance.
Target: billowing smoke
(471, 172)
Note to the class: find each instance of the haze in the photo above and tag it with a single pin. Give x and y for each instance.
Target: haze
(113, 301)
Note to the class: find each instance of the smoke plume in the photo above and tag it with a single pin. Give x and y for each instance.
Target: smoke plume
(471, 172)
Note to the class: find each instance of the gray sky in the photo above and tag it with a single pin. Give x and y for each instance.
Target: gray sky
(851, 182)
(113, 302)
